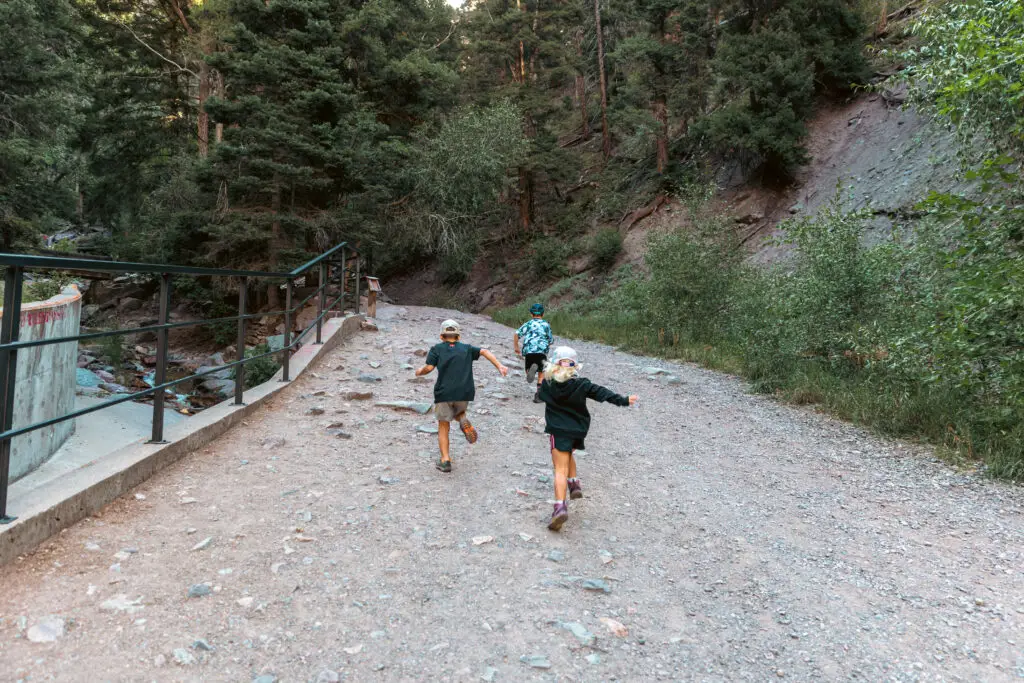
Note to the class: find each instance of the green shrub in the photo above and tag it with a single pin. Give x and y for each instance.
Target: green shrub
(606, 247)
(111, 349)
(262, 369)
(548, 257)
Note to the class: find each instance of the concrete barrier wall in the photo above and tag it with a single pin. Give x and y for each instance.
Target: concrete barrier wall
(45, 380)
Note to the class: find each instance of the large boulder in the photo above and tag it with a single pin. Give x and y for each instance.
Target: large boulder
(226, 373)
(218, 387)
(129, 305)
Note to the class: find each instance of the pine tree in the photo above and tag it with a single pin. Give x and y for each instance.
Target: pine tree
(321, 96)
(771, 62)
(139, 130)
(666, 68)
(38, 105)
(521, 50)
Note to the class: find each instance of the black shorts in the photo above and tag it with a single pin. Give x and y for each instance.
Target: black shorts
(566, 444)
(537, 359)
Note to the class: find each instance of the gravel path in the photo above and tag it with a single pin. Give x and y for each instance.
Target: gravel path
(738, 540)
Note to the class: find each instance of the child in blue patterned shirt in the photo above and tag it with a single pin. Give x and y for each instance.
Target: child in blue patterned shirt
(536, 338)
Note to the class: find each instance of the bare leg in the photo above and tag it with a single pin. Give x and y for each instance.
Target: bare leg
(560, 460)
(442, 440)
(572, 466)
(540, 379)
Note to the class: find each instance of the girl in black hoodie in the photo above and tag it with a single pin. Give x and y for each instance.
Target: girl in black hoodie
(568, 421)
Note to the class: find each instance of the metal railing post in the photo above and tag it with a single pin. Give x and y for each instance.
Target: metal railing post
(344, 278)
(287, 331)
(321, 303)
(161, 359)
(10, 328)
(357, 283)
(243, 293)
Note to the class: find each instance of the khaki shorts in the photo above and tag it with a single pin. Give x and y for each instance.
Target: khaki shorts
(449, 411)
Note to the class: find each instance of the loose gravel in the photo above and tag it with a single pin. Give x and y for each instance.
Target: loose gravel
(722, 537)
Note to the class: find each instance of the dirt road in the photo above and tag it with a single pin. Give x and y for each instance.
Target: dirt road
(723, 537)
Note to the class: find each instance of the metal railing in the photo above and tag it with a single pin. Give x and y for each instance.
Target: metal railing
(17, 264)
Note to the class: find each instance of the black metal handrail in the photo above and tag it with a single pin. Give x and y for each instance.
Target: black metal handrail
(17, 264)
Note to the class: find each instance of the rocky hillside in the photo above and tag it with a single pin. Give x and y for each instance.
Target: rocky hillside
(872, 151)
(875, 154)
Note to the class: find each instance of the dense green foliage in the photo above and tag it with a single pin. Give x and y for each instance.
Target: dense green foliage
(251, 132)
(968, 68)
(38, 79)
(772, 61)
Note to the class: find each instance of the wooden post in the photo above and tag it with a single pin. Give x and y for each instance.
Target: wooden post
(372, 287)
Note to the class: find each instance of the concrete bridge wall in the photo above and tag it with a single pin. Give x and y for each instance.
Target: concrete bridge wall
(45, 381)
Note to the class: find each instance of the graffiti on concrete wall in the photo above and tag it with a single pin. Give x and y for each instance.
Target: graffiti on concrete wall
(42, 316)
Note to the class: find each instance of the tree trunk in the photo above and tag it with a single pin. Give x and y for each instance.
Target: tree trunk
(526, 182)
(660, 104)
(581, 87)
(219, 90)
(534, 52)
(522, 51)
(525, 199)
(273, 296)
(606, 134)
(661, 115)
(203, 132)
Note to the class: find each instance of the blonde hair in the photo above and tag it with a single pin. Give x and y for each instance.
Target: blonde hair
(560, 373)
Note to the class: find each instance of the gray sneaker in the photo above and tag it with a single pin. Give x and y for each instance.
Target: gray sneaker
(531, 374)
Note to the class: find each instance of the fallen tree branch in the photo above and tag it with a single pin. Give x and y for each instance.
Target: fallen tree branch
(643, 212)
(906, 10)
(445, 39)
(577, 188)
(145, 45)
(572, 142)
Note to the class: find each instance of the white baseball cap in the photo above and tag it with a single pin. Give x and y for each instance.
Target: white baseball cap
(563, 353)
(450, 327)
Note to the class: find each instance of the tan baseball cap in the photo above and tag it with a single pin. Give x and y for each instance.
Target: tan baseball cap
(450, 327)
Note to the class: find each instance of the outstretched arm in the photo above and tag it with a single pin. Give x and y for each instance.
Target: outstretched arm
(600, 394)
(425, 370)
(495, 362)
(515, 342)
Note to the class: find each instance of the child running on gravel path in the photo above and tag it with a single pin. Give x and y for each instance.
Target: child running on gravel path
(536, 337)
(568, 422)
(454, 388)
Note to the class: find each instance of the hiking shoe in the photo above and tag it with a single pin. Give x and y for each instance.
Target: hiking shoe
(468, 430)
(531, 374)
(558, 517)
(444, 465)
(575, 489)
(536, 397)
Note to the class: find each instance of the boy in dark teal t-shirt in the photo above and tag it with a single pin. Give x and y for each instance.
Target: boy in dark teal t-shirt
(454, 388)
